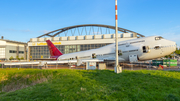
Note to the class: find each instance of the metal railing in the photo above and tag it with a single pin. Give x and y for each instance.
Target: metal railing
(56, 65)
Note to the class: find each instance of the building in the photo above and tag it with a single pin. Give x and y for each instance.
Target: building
(11, 49)
(37, 47)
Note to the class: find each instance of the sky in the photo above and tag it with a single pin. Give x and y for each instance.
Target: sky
(21, 20)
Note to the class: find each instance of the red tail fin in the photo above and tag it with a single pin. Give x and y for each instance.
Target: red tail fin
(54, 52)
(161, 66)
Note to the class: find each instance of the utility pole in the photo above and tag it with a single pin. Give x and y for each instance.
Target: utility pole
(117, 68)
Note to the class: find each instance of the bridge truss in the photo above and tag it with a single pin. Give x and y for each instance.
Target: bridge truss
(87, 29)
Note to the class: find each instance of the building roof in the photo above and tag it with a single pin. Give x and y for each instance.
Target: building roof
(12, 41)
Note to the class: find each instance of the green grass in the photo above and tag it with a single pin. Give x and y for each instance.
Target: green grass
(81, 85)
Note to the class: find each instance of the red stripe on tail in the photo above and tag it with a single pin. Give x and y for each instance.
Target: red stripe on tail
(54, 52)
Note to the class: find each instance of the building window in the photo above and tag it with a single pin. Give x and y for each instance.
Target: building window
(12, 51)
(21, 52)
(38, 51)
(2, 52)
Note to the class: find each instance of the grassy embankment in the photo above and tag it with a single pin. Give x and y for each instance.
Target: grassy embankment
(83, 85)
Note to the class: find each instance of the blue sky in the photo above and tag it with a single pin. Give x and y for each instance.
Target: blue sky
(21, 20)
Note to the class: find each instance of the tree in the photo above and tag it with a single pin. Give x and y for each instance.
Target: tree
(166, 56)
(177, 51)
(11, 58)
(17, 57)
(22, 58)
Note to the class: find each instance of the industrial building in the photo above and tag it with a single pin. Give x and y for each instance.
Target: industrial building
(12, 49)
(37, 47)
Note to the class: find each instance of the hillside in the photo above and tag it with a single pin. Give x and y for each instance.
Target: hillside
(69, 85)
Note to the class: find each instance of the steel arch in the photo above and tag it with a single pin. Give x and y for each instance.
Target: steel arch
(58, 31)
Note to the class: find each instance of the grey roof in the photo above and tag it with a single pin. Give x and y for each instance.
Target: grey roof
(12, 41)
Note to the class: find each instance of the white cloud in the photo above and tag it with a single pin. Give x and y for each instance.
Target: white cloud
(44, 31)
(25, 30)
(172, 34)
(173, 37)
(175, 29)
(16, 30)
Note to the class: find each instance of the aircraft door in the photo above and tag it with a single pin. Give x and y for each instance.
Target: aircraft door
(93, 55)
(146, 49)
(119, 53)
(133, 58)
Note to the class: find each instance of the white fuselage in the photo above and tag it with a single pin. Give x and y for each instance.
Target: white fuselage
(145, 48)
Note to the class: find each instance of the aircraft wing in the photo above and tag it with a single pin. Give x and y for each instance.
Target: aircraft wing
(112, 58)
(20, 63)
(52, 62)
(78, 61)
(47, 59)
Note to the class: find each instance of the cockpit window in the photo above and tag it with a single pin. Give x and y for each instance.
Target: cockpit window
(158, 38)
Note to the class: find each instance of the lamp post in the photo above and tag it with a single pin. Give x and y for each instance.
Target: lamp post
(117, 68)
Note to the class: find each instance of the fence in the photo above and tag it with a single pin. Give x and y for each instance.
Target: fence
(125, 66)
(39, 65)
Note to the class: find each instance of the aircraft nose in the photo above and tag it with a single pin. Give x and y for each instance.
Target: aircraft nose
(174, 46)
(171, 45)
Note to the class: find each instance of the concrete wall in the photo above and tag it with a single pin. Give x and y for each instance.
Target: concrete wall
(15, 48)
(8, 55)
(2, 42)
(87, 39)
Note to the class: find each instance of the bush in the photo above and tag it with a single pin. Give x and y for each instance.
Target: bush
(11, 58)
(22, 58)
(17, 57)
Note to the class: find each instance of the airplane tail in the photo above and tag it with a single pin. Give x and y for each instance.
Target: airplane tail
(54, 52)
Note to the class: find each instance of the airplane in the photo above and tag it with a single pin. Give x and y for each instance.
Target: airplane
(140, 49)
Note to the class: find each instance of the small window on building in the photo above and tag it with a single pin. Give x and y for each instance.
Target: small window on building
(21, 52)
(12, 51)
